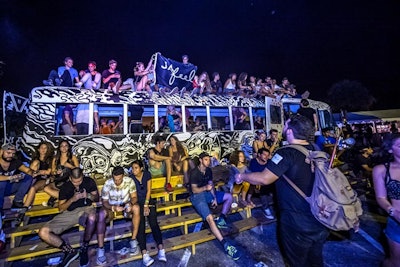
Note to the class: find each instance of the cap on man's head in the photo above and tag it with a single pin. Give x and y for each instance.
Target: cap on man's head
(8, 146)
(203, 154)
(185, 56)
(112, 61)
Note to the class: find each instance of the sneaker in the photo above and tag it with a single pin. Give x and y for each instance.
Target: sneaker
(134, 250)
(79, 84)
(174, 91)
(268, 214)
(101, 257)
(161, 255)
(21, 216)
(169, 188)
(48, 82)
(17, 205)
(232, 251)
(51, 202)
(162, 91)
(221, 223)
(182, 93)
(58, 81)
(147, 260)
(69, 257)
(83, 257)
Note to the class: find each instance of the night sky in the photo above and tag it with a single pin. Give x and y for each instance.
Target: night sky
(313, 43)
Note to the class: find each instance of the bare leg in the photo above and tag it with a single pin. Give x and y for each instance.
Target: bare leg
(52, 190)
(168, 170)
(213, 227)
(49, 237)
(228, 199)
(101, 227)
(135, 220)
(32, 192)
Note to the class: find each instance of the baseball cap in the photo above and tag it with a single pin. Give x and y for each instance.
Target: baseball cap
(8, 147)
(203, 154)
(112, 61)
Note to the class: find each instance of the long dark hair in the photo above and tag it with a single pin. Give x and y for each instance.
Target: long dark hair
(58, 153)
(49, 154)
(384, 154)
(179, 146)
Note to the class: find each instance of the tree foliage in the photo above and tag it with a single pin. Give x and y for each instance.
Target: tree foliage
(350, 96)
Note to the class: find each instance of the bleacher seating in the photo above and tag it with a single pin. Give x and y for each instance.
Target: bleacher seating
(177, 213)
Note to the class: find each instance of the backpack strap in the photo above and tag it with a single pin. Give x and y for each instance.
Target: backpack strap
(306, 152)
(387, 176)
(295, 187)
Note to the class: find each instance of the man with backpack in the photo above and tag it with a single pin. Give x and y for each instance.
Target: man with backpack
(301, 235)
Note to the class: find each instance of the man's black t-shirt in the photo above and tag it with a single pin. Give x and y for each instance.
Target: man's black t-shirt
(67, 191)
(12, 169)
(294, 209)
(197, 177)
(308, 113)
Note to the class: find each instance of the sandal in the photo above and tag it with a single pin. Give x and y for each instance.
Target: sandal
(251, 204)
(243, 202)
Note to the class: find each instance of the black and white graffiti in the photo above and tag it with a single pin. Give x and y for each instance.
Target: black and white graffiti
(99, 153)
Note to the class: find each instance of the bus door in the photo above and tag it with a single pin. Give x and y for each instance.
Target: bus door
(274, 114)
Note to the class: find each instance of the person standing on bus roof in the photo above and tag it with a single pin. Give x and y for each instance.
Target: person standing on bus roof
(308, 112)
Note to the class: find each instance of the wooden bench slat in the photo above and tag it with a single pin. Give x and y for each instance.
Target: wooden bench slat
(157, 183)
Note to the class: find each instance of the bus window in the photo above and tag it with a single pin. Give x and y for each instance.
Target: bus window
(196, 119)
(64, 118)
(276, 115)
(218, 116)
(136, 118)
(148, 119)
(259, 118)
(111, 119)
(326, 119)
(170, 118)
(241, 119)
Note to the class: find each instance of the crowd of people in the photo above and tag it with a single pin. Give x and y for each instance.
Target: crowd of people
(301, 236)
(241, 84)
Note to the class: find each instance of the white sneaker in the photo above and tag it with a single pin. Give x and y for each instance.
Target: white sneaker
(147, 260)
(101, 257)
(79, 84)
(161, 255)
(268, 214)
(134, 250)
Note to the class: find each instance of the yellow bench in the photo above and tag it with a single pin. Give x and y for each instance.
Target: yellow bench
(192, 239)
(157, 184)
(29, 229)
(114, 232)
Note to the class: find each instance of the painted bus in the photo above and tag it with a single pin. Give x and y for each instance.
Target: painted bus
(28, 121)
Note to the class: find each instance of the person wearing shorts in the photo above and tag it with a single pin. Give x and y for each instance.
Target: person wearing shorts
(75, 204)
(118, 196)
(203, 196)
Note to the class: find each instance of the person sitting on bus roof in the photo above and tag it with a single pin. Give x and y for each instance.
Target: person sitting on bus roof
(64, 76)
(91, 78)
(112, 77)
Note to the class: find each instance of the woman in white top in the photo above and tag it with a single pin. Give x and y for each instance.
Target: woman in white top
(230, 84)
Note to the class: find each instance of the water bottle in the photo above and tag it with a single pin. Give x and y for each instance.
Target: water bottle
(185, 258)
(260, 264)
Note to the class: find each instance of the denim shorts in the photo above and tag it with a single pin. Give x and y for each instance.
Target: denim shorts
(392, 230)
(201, 202)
